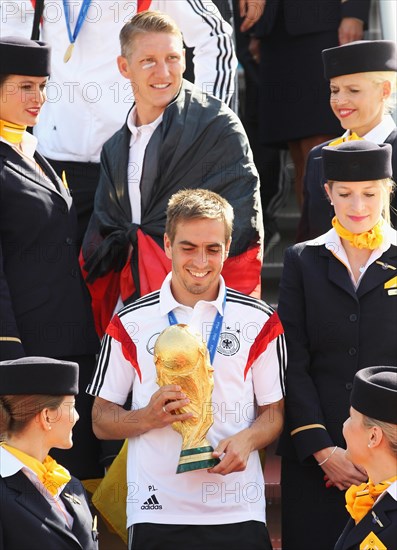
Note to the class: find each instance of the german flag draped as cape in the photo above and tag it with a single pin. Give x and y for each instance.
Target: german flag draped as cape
(199, 143)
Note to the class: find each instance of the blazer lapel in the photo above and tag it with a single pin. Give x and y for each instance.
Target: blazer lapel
(53, 176)
(376, 520)
(337, 272)
(76, 509)
(34, 503)
(24, 169)
(379, 272)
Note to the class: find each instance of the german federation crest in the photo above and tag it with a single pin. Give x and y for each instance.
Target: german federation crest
(228, 344)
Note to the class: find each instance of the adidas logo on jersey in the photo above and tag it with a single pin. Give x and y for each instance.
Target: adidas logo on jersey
(151, 504)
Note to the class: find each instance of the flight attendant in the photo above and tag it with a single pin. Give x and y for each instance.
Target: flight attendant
(338, 300)
(45, 308)
(362, 79)
(371, 440)
(41, 505)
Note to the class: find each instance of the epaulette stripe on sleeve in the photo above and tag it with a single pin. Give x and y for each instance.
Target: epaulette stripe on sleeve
(307, 427)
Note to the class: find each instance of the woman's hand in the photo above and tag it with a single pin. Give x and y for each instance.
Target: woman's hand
(339, 470)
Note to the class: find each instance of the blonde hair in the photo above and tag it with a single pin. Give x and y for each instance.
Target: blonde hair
(388, 188)
(145, 22)
(389, 431)
(378, 77)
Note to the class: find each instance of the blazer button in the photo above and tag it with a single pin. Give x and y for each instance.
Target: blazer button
(74, 273)
(352, 351)
(349, 386)
(68, 240)
(353, 318)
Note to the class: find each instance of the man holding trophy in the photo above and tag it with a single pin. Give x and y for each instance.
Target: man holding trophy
(205, 365)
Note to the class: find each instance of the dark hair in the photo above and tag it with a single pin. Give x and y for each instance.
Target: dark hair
(16, 411)
(3, 78)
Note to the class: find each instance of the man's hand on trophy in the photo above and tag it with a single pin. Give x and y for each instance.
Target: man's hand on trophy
(233, 452)
(164, 404)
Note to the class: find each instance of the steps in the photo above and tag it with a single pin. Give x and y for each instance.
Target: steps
(287, 221)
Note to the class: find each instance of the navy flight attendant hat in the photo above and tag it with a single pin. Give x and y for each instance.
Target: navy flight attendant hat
(38, 376)
(24, 57)
(363, 56)
(374, 393)
(357, 160)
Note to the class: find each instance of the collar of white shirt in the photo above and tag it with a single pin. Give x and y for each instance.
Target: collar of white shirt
(393, 490)
(134, 129)
(380, 133)
(168, 302)
(332, 242)
(28, 144)
(10, 465)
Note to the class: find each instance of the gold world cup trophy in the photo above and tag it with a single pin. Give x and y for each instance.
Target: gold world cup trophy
(181, 357)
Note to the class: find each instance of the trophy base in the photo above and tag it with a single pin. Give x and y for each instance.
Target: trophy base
(199, 458)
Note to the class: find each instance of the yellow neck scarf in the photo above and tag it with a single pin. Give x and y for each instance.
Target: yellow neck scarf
(340, 140)
(361, 498)
(11, 132)
(49, 472)
(370, 240)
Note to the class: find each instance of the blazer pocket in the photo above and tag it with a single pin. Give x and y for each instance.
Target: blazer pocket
(30, 299)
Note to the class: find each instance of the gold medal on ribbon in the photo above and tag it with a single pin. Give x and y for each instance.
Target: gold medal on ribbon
(68, 53)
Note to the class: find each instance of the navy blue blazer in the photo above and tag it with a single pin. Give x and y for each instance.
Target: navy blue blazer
(44, 306)
(381, 520)
(317, 212)
(332, 331)
(29, 522)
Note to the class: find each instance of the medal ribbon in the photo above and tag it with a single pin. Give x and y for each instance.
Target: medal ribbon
(213, 340)
(80, 19)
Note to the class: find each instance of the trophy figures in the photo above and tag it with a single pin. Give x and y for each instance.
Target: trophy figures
(181, 357)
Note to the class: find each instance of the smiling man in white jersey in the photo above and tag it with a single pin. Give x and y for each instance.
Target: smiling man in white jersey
(226, 503)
